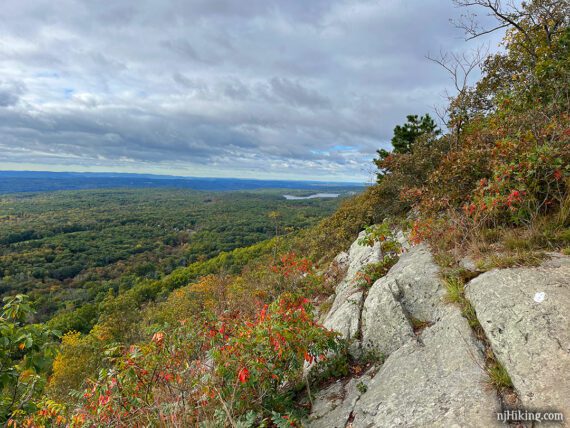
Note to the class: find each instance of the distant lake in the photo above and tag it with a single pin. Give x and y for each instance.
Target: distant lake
(316, 195)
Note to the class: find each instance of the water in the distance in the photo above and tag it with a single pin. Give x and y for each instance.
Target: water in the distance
(316, 195)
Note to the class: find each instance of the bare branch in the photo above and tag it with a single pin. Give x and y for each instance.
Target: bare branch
(460, 66)
(483, 32)
(548, 15)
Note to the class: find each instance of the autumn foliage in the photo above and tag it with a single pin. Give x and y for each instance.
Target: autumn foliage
(508, 164)
(216, 363)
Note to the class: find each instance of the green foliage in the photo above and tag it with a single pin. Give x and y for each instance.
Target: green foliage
(455, 291)
(405, 136)
(406, 175)
(374, 271)
(391, 250)
(66, 249)
(376, 233)
(26, 353)
(361, 387)
(81, 319)
(382, 233)
(333, 366)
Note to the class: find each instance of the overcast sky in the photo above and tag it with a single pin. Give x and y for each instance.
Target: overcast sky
(299, 89)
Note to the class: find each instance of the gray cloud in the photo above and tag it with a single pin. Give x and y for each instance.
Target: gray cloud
(296, 94)
(10, 93)
(267, 88)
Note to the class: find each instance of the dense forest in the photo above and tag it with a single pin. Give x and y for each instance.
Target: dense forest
(65, 249)
(223, 341)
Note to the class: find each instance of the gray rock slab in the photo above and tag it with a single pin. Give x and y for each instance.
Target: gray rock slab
(385, 327)
(417, 285)
(344, 315)
(438, 381)
(332, 407)
(525, 313)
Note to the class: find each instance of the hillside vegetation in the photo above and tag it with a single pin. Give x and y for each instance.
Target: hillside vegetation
(218, 347)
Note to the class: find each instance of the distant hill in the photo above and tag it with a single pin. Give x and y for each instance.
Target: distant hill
(39, 181)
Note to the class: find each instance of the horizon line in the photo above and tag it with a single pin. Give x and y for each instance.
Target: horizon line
(182, 177)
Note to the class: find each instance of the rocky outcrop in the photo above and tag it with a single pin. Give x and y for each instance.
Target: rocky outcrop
(411, 289)
(417, 284)
(334, 405)
(434, 377)
(435, 381)
(525, 313)
(344, 315)
(385, 326)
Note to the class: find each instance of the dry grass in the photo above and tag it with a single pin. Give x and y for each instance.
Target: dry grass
(455, 290)
(444, 259)
(419, 325)
(502, 247)
(509, 259)
(498, 376)
(515, 247)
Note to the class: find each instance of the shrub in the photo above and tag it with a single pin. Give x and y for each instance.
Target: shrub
(209, 368)
(526, 179)
(25, 357)
(374, 271)
(78, 357)
(508, 164)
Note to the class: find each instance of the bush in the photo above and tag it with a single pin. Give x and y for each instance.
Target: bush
(25, 357)
(508, 164)
(207, 368)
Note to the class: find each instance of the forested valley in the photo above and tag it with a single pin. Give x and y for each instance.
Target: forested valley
(70, 248)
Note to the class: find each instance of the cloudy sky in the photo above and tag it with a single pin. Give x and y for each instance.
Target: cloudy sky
(299, 89)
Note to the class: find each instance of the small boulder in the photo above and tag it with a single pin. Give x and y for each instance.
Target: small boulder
(416, 284)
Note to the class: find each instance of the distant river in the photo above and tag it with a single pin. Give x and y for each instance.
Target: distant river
(316, 195)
